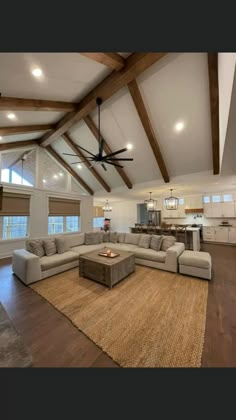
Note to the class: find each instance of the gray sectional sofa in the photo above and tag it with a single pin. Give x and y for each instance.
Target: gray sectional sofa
(31, 268)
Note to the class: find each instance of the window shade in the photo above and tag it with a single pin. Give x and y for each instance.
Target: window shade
(63, 207)
(15, 204)
(98, 211)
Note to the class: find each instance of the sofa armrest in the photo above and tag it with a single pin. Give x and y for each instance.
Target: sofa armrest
(26, 266)
(172, 255)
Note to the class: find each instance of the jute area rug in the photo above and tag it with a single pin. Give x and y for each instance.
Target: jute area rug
(151, 319)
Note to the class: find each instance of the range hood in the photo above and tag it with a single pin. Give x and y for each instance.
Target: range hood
(189, 211)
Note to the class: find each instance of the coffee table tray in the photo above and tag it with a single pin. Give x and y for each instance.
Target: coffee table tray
(113, 255)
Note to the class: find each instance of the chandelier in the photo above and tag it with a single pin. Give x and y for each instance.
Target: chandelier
(150, 203)
(171, 202)
(107, 207)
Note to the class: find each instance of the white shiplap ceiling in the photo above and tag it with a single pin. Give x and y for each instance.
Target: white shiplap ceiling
(174, 89)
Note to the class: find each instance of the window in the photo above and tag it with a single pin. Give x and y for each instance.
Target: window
(18, 168)
(227, 197)
(206, 199)
(181, 201)
(14, 227)
(216, 199)
(63, 224)
(98, 222)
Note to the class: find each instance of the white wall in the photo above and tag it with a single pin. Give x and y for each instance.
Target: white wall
(123, 215)
(226, 70)
(38, 221)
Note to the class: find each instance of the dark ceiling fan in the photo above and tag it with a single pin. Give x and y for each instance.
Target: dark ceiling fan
(99, 157)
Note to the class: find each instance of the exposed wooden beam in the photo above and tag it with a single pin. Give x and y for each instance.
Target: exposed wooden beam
(77, 151)
(152, 137)
(88, 120)
(21, 104)
(16, 144)
(69, 169)
(214, 103)
(8, 131)
(112, 60)
(135, 65)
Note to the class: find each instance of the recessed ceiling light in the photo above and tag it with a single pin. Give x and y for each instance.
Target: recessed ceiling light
(0, 137)
(179, 126)
(37, 72)
(44, 181)
(55, 176)
(11, 116)
(79, 166)
(61, 174)
(129, 146)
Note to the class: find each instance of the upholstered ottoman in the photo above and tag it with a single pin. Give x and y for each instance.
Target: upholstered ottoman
(194, 263)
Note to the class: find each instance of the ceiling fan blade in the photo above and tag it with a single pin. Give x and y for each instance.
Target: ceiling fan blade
(114, 164)
(104, 167)
(116, 153)
(120, 159)
(101, 146)
(85, 150)
(69, 154)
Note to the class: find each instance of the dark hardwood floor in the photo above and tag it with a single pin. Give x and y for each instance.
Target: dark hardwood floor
(55, 342)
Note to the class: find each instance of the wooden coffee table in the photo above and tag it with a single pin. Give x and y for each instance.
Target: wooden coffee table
(104, 270)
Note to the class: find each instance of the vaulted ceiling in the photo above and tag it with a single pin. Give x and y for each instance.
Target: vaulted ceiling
(145, 95)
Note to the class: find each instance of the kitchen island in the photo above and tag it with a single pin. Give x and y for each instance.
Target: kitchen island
(193, 232)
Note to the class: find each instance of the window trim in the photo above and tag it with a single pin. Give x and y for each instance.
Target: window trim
(64, 226)
(21, 238)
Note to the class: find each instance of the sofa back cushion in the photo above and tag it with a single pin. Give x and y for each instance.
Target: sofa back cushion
(49, 245)
(35, 246)
(121, 238)
(62, 244)
(167, 242)
(113, 237)
(144, 241)
(75, 240)
(106, 236)
(156, 241)
(132, 238)
(93, 238)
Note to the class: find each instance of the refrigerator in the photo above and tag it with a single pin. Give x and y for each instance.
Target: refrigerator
(148, 217)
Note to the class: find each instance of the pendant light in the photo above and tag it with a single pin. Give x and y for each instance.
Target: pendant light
(107, 207)
(171, 202)
(150, 203)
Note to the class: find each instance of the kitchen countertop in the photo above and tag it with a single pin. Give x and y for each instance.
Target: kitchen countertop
(189, 228)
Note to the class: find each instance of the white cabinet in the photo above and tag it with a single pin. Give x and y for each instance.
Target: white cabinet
(221, 234)
(217, 210)
(232, 235)
(228, 209)
(207, 209)
(208, 233)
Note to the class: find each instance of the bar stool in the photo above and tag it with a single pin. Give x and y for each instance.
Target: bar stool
(182, 235)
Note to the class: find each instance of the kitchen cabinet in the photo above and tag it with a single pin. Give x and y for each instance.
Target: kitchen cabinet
(220, 209)
(209, 233)
(221, 234)
(228, 209)
(232, 235)
(207, 209)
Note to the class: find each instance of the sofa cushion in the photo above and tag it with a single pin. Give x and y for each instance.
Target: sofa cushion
(195, 259)
(144, 241)
(62, 245)
(49, 245)
(106, 237)
(155, 242)
(92, 238)
(57, 259)
(132, 238)
(35, 246)
(167, 242)
(83, 249)
(113, 237)
(122, 247)
(121, 237)
(150, 254)
(75, 240)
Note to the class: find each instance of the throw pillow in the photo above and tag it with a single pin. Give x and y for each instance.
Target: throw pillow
(62, 245)
(121, 238)
(50, 246)
(106, 236)
(92, 238)
(75, 239)
(144, 241)
(35, 246)
(113, 237)
(132, 238)
(155, 242)
(167, 242)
